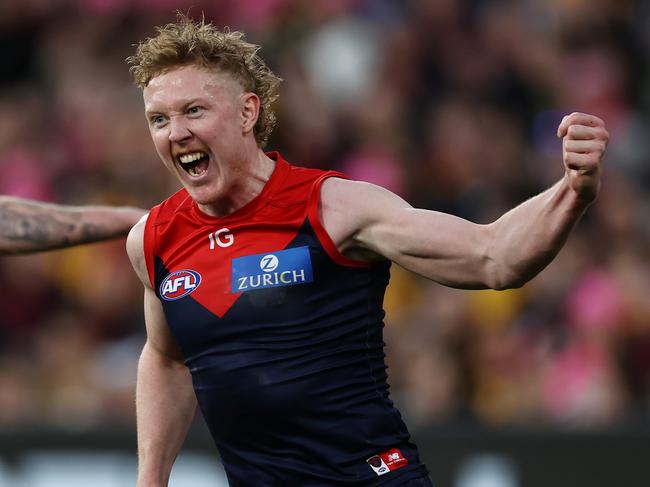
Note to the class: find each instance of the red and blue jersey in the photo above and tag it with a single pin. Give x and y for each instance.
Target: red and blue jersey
(283, 337)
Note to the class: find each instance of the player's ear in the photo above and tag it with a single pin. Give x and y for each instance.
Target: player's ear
(250, 111)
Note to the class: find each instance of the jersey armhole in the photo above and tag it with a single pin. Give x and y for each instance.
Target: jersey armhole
(149, 243)
(317, 225)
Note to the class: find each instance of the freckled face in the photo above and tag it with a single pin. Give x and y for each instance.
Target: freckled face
(195, 122)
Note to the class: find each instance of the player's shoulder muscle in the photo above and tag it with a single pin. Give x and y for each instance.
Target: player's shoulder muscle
(348, 208)
(361, 201)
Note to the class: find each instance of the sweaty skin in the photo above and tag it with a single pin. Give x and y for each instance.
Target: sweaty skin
(28, 226)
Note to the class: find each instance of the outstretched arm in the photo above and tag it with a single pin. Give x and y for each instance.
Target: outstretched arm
(31, 226)
(165, 400)
(366, 221)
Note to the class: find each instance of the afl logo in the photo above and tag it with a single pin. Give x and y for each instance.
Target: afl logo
(179, 284)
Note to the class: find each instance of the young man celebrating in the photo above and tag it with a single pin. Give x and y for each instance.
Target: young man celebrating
(28, 226)
(264, 281)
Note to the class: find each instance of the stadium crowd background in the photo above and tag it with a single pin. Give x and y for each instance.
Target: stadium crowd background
(452, 104)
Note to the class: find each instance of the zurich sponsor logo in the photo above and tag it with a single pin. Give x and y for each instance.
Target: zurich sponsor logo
(283, 268)
(179, 284)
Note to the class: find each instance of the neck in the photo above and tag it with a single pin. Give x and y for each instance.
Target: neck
(247, 182)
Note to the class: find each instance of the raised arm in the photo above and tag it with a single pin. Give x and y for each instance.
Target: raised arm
(366, 221)
(31, 226)
(165, 400)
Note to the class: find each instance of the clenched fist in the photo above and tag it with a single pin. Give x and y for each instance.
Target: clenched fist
(584, 140)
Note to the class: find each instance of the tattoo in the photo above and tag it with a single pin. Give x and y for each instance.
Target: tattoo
(30, 226)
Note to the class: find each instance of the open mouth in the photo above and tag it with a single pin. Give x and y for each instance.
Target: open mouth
(195, 163)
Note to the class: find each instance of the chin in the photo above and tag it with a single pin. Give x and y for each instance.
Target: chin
(203, 195)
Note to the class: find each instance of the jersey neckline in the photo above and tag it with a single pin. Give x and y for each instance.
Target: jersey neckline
(270, 188)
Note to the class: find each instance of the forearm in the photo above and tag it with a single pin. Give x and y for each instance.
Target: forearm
(97, 223)
(527, 238)
(31, 226)
(165, 405)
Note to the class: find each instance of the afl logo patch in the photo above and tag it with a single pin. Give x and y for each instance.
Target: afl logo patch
(179, 284)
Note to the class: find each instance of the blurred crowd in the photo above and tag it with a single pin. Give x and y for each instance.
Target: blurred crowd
(453, 104)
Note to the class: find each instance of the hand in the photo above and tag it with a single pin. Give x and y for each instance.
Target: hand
(584, 140)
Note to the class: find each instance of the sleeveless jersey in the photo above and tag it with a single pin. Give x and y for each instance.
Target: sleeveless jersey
(283, 337)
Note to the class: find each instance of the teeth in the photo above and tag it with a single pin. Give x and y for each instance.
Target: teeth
(187, 158)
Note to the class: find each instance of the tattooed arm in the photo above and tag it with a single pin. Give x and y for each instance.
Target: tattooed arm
(32, 226)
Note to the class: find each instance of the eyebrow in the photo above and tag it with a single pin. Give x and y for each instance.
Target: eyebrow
(185, 106)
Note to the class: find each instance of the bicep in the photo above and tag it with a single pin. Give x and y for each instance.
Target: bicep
(159, 336)
(439, 246)
(442, 247)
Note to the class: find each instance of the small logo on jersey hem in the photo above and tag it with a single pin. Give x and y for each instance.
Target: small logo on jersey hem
(387, 462)
(179, 284)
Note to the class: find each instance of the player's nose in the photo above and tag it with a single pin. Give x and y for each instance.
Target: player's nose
(178, 131)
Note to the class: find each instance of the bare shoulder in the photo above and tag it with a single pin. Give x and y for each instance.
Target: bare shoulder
(346, 191)
(348, 208)
(358, 200)
(135, 249)
(339, 209)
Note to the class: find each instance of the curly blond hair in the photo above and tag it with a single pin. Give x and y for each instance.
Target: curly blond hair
(187, 42)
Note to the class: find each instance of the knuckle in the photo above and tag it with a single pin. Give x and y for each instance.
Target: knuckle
(604, 134)
(570, 158)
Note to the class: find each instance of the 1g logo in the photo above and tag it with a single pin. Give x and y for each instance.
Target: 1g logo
(223, 238)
